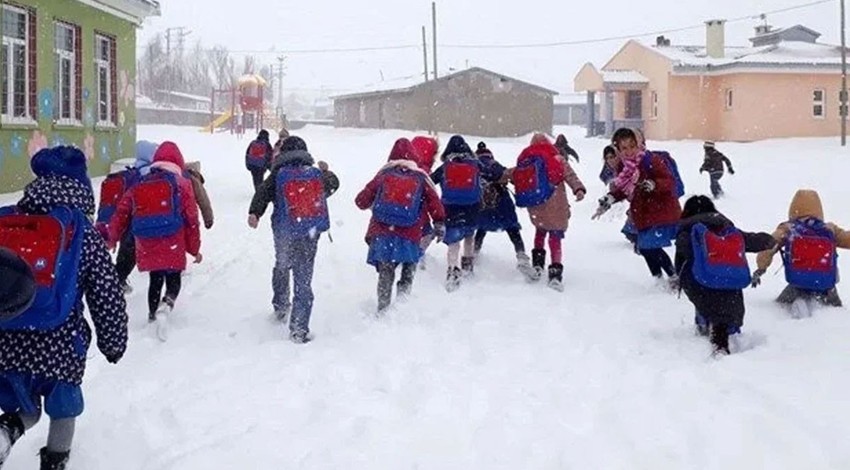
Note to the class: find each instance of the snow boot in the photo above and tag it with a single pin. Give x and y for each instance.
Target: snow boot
(538, 262)
(720, 339)
(53, 460)
(556, 273)
(800, 308)
(467, 265)
(281, 315)
(523, 264)
(11, 429)
(703, 328)
(453, 279)
(300, 337)
(165, 307)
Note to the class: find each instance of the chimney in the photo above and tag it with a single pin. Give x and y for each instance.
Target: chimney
(763, 29)
(715, 38)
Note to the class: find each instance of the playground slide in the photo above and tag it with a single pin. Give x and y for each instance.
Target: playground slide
(218, 122)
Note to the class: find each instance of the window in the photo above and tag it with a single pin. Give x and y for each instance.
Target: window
(66, 45)
(104, 59)
(818, 101)
(634, 104)
(654, 104)
(728, 98)
(17, 65)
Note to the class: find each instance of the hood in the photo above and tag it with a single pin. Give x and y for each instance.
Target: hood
(169, 152)
(806, 203)
(47, 192)
(426, 146)
(403, 150)
(263, 135)
(145, 151)
(540, 139)
(293, 143)
(712, 220)
(61, 160)
(294, 158)
(456, 145)
(542, 149)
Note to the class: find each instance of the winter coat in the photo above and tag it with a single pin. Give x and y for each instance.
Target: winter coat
(426, 151)
(463, 216)
(718, 306)
(60, 354)
(659, 207)
(267, 158)
(165, 253)
(193, 169)
(267, 192)
(554, 214)
(498, 211)
(714, 161)
(431, 205)
(805, 205)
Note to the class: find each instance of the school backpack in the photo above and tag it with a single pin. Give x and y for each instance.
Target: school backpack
(532, 184)
(399, 199)
(720, 258)
(301, 207)
(810, 256)
(679, 190)
(461, 183)
(255, 158)
(112, 189)
(51, 244)
(157, 210)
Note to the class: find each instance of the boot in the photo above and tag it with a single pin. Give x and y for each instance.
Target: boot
(523, 264)
(720, 339)
(703, 328)
(800, 309)
(53, 460)
(538, 262)
(11, 429)
(453, 279)
(556, 272)
(467, 264)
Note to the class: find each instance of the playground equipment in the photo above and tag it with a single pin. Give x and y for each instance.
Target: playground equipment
(247, 106)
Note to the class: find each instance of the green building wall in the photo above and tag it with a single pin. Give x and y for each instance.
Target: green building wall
(101, 146)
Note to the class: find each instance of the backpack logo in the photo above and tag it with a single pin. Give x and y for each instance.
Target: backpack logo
(720, 258)
(40, 264)
(256, 158)
(156, 206)
(461, 183)
(399, 200)
(810, 256)
(301, 207)
(532, 183)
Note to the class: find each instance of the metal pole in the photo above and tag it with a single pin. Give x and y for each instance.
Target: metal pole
(434, 30)
(425, 53)
(280, 89)
(843, 78)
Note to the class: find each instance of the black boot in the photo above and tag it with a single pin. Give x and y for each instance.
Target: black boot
(538, 261)
(467, 265)
(12, 428)
(53, 460)
(556, 273)
(720, 339)
(405, 283)
(453, 277)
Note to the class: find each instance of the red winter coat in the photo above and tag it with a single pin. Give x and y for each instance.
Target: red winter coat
(167, 253)
(431, 205)
(659, 207)
(426, 151)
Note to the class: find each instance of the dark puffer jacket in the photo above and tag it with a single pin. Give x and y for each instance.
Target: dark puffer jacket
(60, 354)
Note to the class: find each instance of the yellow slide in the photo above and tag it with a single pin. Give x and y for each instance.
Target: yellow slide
(219, 121)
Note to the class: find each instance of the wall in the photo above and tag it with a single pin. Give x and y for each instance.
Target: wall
(175, 117)
(19, 142)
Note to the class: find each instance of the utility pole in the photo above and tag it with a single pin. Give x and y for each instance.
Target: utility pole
(180, 33)
(425, 53)
(843, 109)
(280, 60)
(434, 30)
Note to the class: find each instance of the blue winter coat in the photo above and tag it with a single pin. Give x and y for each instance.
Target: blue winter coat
(501, 215)
(465, 217)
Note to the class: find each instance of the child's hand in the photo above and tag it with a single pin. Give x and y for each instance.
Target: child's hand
(253, 221)
(323, 165)
(580, 195)
(199, 258)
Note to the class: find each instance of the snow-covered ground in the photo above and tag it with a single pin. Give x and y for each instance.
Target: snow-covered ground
(498, 375)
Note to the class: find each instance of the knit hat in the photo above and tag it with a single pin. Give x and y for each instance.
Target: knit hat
(283, 134)
(456, 145)
(145, 151)
(62, 161)
(697, 205)
(263, 135)
(17, 285)
(293, 143)
(708, 144)
(403, 150)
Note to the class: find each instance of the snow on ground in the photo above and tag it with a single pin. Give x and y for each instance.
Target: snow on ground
(498, 375)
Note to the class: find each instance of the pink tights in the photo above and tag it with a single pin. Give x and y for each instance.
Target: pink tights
(555, 249)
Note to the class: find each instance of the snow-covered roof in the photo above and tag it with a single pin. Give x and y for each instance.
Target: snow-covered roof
(571, 98)
(177, 94)
(130, 10)
(784, 54)
(623, 76)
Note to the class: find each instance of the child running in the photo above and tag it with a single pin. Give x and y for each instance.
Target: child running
(426, 148)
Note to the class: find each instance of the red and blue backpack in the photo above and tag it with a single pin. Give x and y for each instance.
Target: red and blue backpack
(52, 246)
(301, 207)
(646, 162)
(531, 181)
(461, 183)
(256, 157)
(399, 199)
(112, 189)
(720, 258)
(810, 256)
(157, 209)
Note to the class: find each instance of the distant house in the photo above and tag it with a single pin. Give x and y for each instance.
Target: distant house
(572, 109)
(68, 72)
(785, 84)
(176, 99)
(475, 101)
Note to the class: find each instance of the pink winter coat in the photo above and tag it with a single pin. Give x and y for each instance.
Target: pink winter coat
(168, 253)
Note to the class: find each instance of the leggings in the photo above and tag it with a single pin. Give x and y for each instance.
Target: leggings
(657, 261)
(125, 262)
(454, 251)
(61, 434)
(555, 248)
(172, 281)
(513, 234)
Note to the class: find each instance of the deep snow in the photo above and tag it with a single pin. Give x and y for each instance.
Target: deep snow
(499, 374)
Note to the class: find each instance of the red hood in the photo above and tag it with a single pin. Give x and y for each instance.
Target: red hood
(169, 152)
(550, 154)
(404, 150)
(426, 148)
(539, 149)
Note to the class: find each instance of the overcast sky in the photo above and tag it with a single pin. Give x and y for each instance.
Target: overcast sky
(317, 24)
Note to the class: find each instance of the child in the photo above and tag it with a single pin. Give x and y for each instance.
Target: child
(460, 179)
(43, 350)
(713, 164)
(563, 146)
(498, 212)
(163, 238)
(611, 166)
(299, 193)
(281, 136)
(648, 182)
(712, 264)
(809, 251)
(402, 198)
(193, 171)
(426, 148)
(258, 157)
(541, 177)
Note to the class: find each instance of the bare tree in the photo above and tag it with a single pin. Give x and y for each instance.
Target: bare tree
(223, 67)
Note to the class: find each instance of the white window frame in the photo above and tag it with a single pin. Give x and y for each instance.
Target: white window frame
(821, 102)
(728, 99)
(71, 58)
(9, 43)
(105, 65)
(653, 112)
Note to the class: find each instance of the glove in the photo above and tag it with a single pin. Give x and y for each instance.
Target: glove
(439, 232)
(605, 204)
(757, 278)
(731, 171)
(647, 185)
(114, 358)
(580, 195)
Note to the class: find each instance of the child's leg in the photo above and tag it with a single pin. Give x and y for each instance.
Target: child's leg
(303, 255)
(405, 284)
(555, 249)
(281, 301)
(452, 255)
(126, 259)
(157, 279)
(467, 262)
(479, 240)
(14, 425)
(516, 238)
(666, 263)
(386, 278)
(652, 262)
(61, 435)
(173, 283)
(540, 239)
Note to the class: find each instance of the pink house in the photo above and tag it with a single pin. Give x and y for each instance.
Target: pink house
(785, 84)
